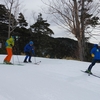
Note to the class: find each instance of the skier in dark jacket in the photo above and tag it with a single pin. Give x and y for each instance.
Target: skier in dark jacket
(29, 51)
(95, 53)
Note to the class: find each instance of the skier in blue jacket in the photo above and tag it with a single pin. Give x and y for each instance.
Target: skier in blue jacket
(29, 51)
(95, 53)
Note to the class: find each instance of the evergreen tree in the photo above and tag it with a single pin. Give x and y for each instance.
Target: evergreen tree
(3, 14)
(41, 26)
(4, 20)
(22, 21)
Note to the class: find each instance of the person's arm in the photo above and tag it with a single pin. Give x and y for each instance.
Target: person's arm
(93, 52)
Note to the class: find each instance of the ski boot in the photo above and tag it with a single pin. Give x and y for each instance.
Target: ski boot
(89, 72)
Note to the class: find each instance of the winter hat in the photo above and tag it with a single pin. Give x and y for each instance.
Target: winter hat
(13, 37)
(31, 42)
(99, 44)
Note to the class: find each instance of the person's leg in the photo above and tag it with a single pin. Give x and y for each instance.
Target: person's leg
(27, 55)
(5, 59)
(25, 60)
(9, 55)
(29, 59)
(91, 65)
(30, 55)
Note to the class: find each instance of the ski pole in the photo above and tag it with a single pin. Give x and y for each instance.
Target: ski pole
(34, 59)
(17, 55)
(35, 62)
(13, 58)
(18, 59)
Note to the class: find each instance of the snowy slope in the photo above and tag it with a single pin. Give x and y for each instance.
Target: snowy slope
(53, 79)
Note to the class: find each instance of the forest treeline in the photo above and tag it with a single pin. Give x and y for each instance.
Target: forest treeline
(40, 33)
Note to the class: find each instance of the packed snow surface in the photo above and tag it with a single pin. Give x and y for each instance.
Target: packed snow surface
(52, 79)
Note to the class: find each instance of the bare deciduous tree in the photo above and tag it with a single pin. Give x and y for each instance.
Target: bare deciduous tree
(76, 16)
(13, 8)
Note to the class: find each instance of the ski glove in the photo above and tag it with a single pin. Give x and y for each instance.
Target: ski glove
(11, 45)
(92, 55)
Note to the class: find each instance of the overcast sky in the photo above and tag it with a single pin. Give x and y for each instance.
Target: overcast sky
(36, 6)
(29, 6)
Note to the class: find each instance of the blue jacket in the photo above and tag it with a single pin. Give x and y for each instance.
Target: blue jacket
(29, 48)
(96, 51)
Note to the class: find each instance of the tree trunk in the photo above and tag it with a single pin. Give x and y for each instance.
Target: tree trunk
(81, 49)
(80, 30)
(9, 13)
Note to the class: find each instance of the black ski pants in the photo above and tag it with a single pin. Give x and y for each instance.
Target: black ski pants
(92, 64)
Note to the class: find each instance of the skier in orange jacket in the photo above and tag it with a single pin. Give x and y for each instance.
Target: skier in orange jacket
(9, 44)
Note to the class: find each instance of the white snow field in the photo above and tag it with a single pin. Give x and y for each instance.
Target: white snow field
(52, 79)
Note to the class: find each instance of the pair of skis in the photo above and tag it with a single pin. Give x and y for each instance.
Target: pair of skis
(12, 64)
(36, 63)
(91, 74)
